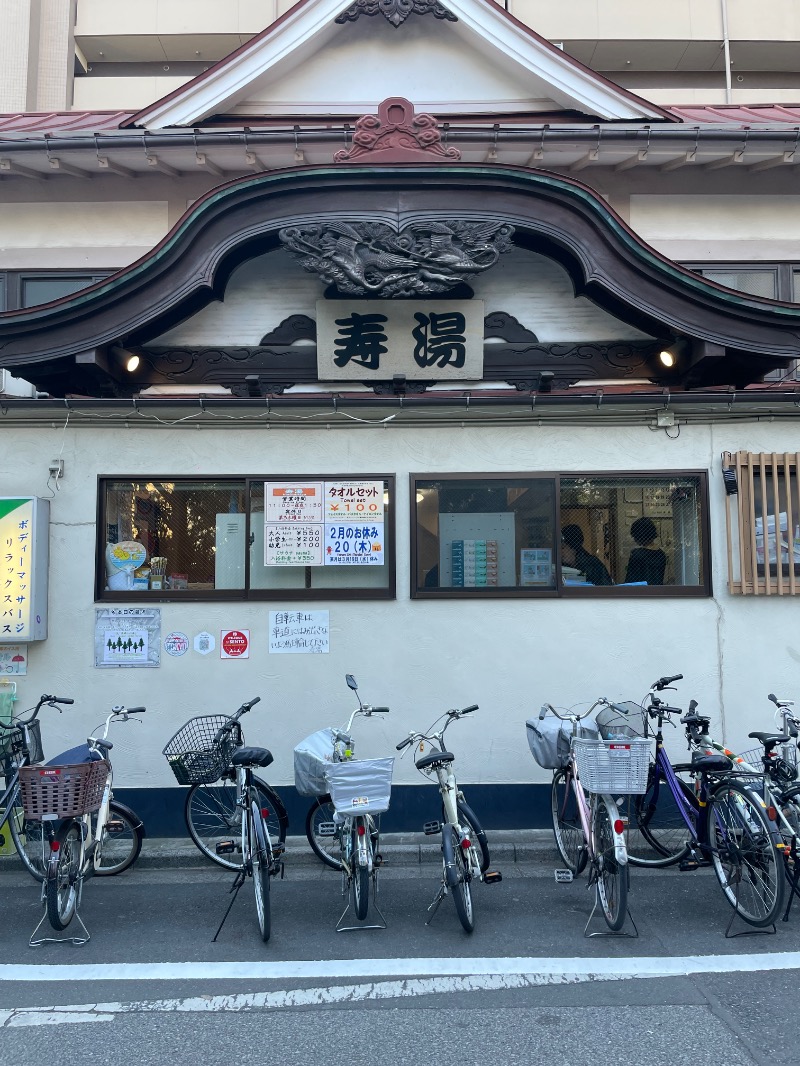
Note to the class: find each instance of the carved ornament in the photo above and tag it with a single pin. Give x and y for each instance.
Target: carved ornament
(374, 259)
(395, 11)
(397, 135)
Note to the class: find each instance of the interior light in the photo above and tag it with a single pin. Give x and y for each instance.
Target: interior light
(132, 363)
(667, 358)
(420, 496)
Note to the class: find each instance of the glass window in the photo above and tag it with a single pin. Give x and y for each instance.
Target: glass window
(43, 288)
(562, 535)
(753, 281)
(315, 538)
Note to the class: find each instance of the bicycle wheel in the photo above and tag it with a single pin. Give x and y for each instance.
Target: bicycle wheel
(61, 886)
(212, 815)
(457, 877)
(747, 863)
(29, 840)
(612, 875)
(121, 843)
(326, 848)
(468, 821)
(657, 831)
(360, 878)
(567, 825)
(261, 867)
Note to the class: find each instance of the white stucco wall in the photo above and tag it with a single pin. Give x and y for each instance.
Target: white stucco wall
(417, 657)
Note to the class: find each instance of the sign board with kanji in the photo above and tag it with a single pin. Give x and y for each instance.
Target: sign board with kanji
(429, 340)
(24, 558)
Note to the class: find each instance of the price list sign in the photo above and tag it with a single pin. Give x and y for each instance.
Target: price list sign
(325, 523)
(24, 539)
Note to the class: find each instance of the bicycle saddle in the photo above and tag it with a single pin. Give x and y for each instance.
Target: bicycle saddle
(251, 757)
(434, 758)
(769, 740)
(710, 764)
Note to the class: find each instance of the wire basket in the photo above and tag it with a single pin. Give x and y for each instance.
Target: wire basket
(785, 758)
(197, 755)
(613, 765)
(62, 791)
(626, 719)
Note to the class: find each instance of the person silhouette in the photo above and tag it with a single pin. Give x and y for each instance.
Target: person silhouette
(645, 563)
(573, 553)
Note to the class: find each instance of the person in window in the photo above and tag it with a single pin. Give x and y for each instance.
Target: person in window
(645, 563)
(573, 553)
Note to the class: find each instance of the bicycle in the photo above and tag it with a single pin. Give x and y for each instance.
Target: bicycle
(586, 822)
(71, 797)
(721, 821)
(354, 791)
(21, 745)
(465, 852)
(212, 810)
(201, 752)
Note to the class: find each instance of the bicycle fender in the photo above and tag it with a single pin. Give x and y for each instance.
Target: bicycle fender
(131, 815)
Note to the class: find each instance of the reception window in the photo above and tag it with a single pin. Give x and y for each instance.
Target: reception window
(560, 535)
(308, 537)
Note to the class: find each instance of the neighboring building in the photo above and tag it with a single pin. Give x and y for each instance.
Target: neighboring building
(427, 267)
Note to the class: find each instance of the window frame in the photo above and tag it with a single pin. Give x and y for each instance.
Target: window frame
(702, 591)
(247, 594)
(12, 283)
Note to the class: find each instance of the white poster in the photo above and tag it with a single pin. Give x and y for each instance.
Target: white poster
(289, 503)
(293, 545)
(13, 659)
(299, 632)
(353, 500)
(130, 636)
(354, 544)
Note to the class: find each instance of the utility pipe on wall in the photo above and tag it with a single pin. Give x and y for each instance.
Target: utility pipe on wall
(726, 45)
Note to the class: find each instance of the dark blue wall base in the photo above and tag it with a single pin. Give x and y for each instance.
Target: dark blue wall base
(497, 807)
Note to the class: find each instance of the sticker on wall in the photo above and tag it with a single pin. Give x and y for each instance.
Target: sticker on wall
(13, 659)
(299, 632)
(176, 643)
(130, 636)
(204, 643)
(234, 644)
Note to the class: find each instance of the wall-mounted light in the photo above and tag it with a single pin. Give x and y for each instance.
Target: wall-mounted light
(132, 363)
(666, 358)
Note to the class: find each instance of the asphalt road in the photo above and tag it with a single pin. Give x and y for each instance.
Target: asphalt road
(150, 987)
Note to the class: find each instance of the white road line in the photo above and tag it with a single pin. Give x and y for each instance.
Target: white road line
(598, 970)
(415, 967)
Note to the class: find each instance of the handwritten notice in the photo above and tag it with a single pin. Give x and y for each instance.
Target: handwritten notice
(299, 632)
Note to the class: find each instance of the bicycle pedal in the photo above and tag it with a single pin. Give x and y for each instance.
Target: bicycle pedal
(278, 849)
(115, 825)
(225, 847)
(379, 860)
(687, 865)
(430, 829)
(326, 829)
(492, 877)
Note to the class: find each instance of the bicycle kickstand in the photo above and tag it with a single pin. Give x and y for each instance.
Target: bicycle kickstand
(77, 940)
(238, 881)
(434, 907)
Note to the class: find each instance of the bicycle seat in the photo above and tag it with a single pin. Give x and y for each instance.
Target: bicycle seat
(769, 740)
(435, 757)
(710, 764)
(251, 757)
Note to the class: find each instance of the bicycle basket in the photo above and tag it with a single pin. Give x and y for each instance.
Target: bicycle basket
(613, 765)
(622, 720)
(311, 758)
(62, 791)
(360, 786)
(784, 763)
(196, 755)
(549, 739)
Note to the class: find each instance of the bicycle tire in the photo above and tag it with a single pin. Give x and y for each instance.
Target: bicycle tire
(29, 840)
(612, 875)
(63, 870)
(457, 877)
(657, 832)
(359, 878)
(212, 815)
(328, 848)
(120, 848)
(261, 863)
(567, 825)
(748, 865)
(467, 819)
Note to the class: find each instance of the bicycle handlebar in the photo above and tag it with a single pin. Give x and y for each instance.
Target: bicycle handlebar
(663, 682)
(571, 717)
(50, 700)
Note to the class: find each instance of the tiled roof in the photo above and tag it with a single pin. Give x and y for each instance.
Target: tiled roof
(62, 121)
(757, 114)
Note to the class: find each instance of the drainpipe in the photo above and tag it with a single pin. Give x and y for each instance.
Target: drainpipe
(726, 45)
